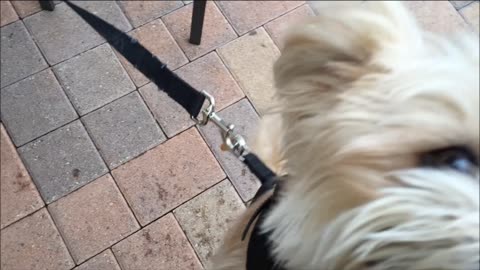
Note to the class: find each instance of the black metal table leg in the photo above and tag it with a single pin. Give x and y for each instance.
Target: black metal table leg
(198, 15)
(47, 5)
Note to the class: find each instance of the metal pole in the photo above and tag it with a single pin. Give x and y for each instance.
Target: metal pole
(47, 5)
(198, 16)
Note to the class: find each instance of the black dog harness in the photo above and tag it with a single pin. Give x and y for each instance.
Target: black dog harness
(192, 100)
(259, 249)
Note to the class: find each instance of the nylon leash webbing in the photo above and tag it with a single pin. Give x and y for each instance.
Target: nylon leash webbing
(192, 100)
(180, 91)
(147, 63)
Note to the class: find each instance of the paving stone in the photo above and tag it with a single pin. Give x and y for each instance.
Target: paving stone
(437, 16)
(93, 218)
(471, 13)
(8, 14)
(34, 243)
(216, 30)
(250, 58)
(20, 57)
(159, 246)
(170, 115)
(207, 217)
(277, 27)
(206, 73)
(257, 12)
(103, 261)
(141, 12)
(460, 4)
(168, 175)
(210, 74)
(26, 8)
(62, 34)
(34, 106)
(155, 37)
(19, 196)
(123, 129)
(62, 161)
(245, 120)
(93, 79)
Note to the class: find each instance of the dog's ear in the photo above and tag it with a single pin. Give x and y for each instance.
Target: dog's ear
(341, 43)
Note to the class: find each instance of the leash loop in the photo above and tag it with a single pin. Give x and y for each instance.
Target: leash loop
(205, 112)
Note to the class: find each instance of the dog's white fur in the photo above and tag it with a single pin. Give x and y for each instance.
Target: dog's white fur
(362, 91)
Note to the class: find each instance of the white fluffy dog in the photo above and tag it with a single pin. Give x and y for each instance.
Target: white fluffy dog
(377, 127)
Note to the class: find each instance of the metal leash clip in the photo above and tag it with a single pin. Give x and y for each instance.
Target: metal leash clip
(232, 140)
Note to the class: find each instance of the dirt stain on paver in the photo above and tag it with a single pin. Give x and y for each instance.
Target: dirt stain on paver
(161, 192)
(204, 240)
(149, 252)
(76, 173)
(22, 185)
(147, 236)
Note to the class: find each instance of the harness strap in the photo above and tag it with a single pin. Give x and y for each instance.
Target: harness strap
(268, 179)
(259, 250)
(259, 255)
(146, 62)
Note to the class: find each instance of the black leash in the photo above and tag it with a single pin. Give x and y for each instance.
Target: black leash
(147, 63)
(192, 100)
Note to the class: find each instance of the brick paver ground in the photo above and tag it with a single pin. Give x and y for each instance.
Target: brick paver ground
(99, 170)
